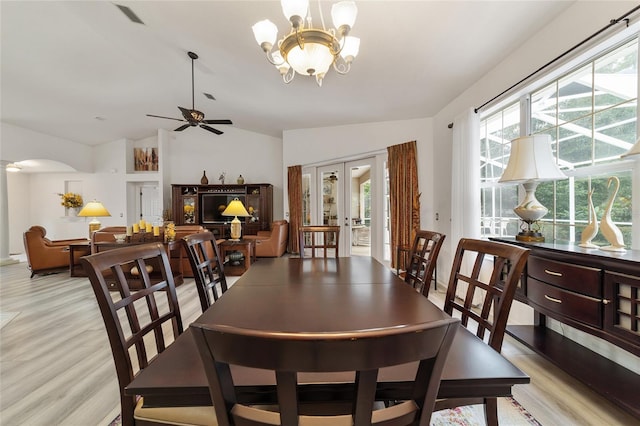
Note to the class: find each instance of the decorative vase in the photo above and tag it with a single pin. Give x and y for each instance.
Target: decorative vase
(204, 179)
(591, 230)
(240, 180)
(609, 229)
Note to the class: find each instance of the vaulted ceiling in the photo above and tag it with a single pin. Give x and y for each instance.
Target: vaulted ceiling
(83, 71)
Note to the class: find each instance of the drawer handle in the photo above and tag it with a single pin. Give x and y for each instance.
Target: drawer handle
(556, 274)
(553, 299)
(606, 301)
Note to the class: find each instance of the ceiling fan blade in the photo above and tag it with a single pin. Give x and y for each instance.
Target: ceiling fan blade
(211, 129)
(181, 128)
(217, 121)
(168, 118)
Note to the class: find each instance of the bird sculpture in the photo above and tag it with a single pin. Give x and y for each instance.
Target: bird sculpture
(591, 230)
(609, 229)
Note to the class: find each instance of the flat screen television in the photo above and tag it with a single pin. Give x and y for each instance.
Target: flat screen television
(213, 204)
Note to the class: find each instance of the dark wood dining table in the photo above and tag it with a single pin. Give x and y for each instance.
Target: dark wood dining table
(348, 294)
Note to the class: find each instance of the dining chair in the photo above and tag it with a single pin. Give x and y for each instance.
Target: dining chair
(423, 258)
(207, 266)
(222, 347)
(319, 238)
(490, 270)
(142, 321)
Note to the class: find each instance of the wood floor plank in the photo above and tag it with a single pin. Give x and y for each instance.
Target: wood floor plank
(56, 366)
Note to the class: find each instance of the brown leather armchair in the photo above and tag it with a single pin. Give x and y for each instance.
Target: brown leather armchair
(271, 243)
(44, 255)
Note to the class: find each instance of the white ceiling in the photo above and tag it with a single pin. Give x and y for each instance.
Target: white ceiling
(66, 63)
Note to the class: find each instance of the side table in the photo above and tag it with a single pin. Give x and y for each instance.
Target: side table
(76, 269)
(248, 250)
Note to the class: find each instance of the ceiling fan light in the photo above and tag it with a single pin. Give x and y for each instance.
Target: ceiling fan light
(344, 15)
(265, 32)
(350, 48)
(314, 59)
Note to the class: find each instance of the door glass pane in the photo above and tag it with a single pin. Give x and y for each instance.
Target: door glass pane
(330, 198)
(360, 210)
(306, 199)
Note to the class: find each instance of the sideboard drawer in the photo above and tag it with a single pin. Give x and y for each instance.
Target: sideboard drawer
(581, 279)
(585, 309)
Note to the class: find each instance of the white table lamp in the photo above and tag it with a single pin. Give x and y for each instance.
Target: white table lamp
(531, 162)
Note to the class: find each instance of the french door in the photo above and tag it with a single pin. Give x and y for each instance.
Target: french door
(343, 194)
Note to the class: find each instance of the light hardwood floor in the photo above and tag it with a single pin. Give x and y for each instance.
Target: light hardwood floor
(56, 366)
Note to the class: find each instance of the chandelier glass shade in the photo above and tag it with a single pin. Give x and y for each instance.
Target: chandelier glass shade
(307, 50)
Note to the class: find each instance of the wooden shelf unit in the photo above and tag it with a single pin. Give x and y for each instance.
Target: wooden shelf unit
(187, 206)
(594, 291)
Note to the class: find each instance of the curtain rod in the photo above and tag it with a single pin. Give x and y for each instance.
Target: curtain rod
(597, 33)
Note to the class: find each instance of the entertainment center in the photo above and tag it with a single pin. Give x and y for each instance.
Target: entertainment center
(203, 205)
(594, 291)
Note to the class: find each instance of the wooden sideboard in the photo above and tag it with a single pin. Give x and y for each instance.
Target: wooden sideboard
(595, 291)
(203, 205)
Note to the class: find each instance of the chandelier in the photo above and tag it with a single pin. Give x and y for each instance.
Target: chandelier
(308, 50)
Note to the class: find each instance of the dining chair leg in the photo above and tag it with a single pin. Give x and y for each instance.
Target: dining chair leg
(491, 411)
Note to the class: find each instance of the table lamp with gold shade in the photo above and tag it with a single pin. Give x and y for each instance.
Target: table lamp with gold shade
(236, 208)
(94, 209)
(531, 162)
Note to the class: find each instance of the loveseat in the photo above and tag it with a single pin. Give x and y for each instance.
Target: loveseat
(271, 243)
(44, 255)
(177, 258)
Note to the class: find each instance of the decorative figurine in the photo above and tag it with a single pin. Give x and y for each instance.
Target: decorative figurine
(221, 178)
(609, 229)
(591, 230)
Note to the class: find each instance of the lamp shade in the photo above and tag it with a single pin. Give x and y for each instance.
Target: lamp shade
(344, 14)
(265, 32)
(531, 160)
(235, 208)
(94, 209)
(292, 8)
(635, 150)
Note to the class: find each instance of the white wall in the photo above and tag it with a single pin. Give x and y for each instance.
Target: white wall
(257, 157)
(18, 144)
(33, 198)
(313, 146)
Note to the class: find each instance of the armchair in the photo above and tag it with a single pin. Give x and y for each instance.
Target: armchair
(44, 255)
(271, 243)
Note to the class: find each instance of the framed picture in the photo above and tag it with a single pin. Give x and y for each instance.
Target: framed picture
(145, 159)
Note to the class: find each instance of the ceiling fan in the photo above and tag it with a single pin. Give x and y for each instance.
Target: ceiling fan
(192, 116)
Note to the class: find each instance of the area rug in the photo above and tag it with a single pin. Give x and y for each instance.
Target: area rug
(510, 413)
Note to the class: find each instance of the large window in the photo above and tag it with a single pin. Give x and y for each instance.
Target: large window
(590, 114)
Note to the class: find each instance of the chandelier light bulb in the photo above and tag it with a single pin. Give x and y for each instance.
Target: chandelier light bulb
(350, 48)
(265, 33)
(344, 16)
(295, 10)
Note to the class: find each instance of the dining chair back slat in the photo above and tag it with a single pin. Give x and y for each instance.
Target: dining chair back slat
(144, 321)
(207, 266)
(485, 275)
(364, 353)
(423, 259)
(319, 238)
